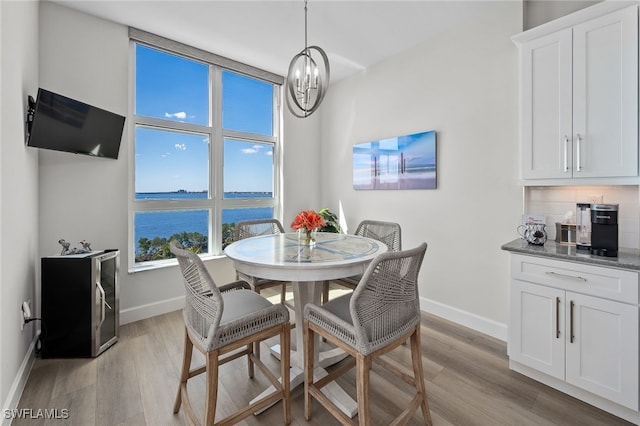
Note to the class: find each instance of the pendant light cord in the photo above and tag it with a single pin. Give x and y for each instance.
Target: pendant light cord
(306, 48)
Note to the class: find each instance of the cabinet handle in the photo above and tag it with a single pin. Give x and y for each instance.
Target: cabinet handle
(557, 317)
(566, 154)
(103, 300)
(572, 277)
(571, 337)
(578, 156)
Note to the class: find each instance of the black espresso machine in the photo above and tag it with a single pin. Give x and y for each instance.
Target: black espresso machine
(604, 230)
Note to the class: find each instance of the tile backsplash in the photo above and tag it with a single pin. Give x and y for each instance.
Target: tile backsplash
(556, 202)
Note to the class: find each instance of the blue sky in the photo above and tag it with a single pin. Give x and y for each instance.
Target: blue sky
(177, 89)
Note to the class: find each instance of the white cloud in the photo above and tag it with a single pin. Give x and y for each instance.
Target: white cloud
(269, 153)
(179, 115)
(181, 146)
(249, 151)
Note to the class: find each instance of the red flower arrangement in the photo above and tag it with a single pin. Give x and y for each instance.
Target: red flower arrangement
(306, 222)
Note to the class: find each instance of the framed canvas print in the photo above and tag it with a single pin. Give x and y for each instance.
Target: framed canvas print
(403, 162)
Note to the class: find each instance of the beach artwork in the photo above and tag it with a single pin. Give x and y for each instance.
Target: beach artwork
(403, 162)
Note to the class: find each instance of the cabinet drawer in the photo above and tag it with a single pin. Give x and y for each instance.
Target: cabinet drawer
(614, 284)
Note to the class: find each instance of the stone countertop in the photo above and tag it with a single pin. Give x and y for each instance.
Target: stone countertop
(627, 258)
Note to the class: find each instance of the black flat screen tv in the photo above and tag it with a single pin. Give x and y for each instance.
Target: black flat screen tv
(64, 124)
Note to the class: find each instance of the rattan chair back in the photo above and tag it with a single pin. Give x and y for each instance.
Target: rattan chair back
(253, 228)
(203, 302)
(386, 232)
(385, 304)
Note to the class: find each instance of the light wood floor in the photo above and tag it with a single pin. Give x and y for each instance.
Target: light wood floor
(135, 382)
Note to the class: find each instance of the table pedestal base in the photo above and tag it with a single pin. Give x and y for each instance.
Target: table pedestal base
(303, 293)
(332, 391)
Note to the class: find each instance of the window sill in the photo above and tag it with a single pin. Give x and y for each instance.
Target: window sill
(161, 264)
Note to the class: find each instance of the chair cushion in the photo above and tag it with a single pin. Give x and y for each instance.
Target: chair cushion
(340, 307)
(239, 304)
(245, 313)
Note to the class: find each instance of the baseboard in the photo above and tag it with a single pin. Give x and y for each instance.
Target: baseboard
(151, 310)
(20, 381)
(467, 319)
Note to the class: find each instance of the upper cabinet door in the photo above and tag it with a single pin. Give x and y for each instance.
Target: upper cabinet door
(605, 95)
(546, 107)
(579, 98)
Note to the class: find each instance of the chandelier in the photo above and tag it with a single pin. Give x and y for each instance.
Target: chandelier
(307, 83)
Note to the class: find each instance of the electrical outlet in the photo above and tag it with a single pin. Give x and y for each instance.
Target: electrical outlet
(25, 310)
(595, 199)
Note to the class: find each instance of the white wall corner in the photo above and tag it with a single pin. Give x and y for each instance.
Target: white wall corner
(475, 322)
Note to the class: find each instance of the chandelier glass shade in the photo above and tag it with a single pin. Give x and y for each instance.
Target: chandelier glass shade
(307, 78)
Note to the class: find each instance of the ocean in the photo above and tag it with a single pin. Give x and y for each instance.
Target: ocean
(167, 223)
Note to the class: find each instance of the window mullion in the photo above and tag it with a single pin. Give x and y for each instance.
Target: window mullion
(159, 123)
(216, 157)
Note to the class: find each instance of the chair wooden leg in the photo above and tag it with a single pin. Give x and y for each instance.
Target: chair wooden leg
(363, 366)
(285, 367)
(416, 358)
(250, 366)
(308, 368)
(184, 374)
(325, 291)
(256, 345)
(283, 293)
(211, 393)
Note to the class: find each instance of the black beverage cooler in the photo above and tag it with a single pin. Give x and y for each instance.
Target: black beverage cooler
(80, 304)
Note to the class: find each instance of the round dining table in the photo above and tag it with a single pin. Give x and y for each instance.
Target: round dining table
(283, 257)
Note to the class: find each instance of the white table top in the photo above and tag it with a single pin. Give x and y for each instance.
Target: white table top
(281, 257)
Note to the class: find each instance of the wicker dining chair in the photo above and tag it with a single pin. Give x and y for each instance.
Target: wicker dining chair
(381, 313)
(253, 228)
(388, 233)
(219, 322)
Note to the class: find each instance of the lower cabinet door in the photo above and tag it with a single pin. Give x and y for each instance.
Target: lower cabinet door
(536, 329)
(602, 348)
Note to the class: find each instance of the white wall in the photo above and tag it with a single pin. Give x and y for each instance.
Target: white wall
(18, 194)
(464, 86)
(87, 58)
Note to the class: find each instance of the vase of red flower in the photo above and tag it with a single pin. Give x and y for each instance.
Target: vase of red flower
(307, 223)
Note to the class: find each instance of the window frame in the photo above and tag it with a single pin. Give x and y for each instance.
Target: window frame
(216, 202)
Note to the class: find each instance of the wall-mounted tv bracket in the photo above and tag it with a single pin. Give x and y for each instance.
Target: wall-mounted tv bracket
(30, 112)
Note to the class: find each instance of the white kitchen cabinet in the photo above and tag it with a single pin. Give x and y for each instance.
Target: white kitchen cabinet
(579, 97)
(536, 327)
(589, 342)
(577, 323)
(602, 348)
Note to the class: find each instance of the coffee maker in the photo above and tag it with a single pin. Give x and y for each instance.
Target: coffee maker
(583, 227)
(604, 230)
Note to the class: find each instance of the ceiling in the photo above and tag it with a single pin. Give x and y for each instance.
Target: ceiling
(267, 34)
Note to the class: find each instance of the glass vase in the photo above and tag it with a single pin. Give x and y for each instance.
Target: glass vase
(307, 237)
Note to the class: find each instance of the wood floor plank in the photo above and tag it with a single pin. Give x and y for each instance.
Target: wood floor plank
(117, 370)
(81, 405)
(74, 374)
(134, 383)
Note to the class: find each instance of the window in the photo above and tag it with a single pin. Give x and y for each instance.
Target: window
(205, 151)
